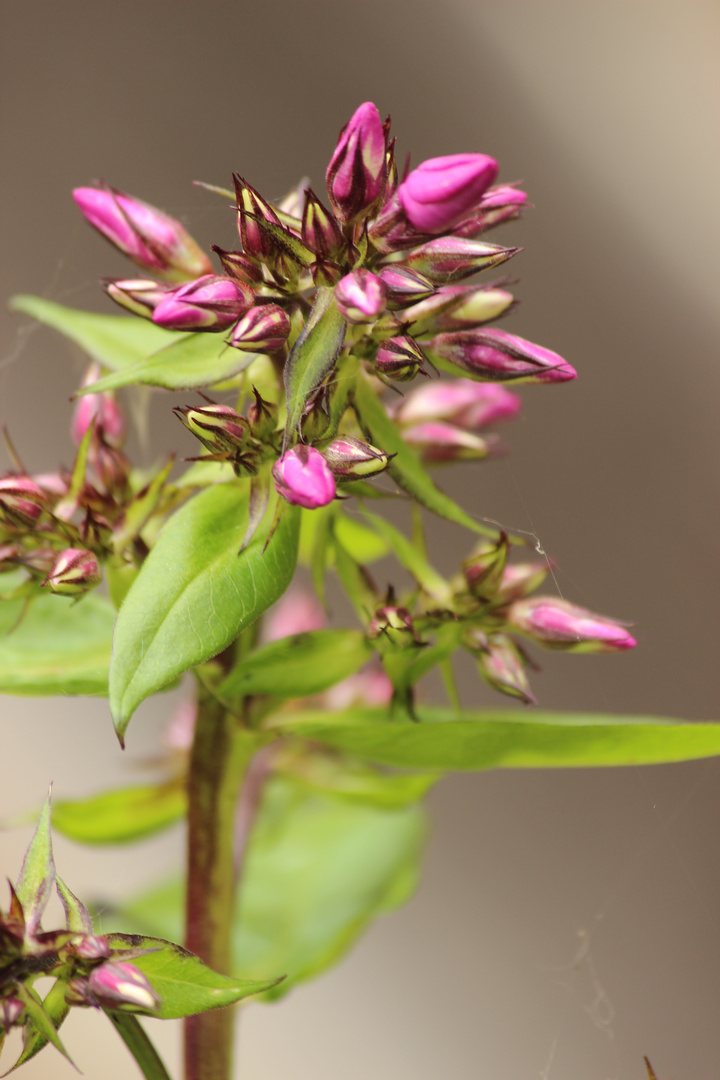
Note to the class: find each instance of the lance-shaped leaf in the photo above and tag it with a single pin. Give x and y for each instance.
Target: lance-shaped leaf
(195, 594)
(317, 872)
(299, 665)
(505, 739)
(55, 1011)
(411, 557)
(405, 467)
(123, 815)
(37, 876)
(340, 778)
(77, 915)
(134, 1036)
(313, 356)
(43, 1025)
(183, 983)
(192, 361)
(59, 647)
(116, 341)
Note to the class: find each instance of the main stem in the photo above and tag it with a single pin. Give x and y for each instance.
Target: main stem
(221, 751)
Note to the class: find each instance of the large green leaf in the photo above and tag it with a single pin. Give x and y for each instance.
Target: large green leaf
(183, 983)
(59, 647)
(117, 817)
(317, 872)
(405, 467)
(195, 594)
(299, 665)
(313, 355)
(505, 739)
(195, 360)
(116, 341)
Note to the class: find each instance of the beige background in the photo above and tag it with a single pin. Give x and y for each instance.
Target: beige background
(568, 922)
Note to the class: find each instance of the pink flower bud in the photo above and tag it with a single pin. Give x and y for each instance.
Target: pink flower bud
(360, 296)
(320, 231)
(297, 612)
(352, 459)
(356, 173)
(21, 500)
(11, 1013)
(264, 328)
(102, 410)
(153, 240)
(303, 477)
(91, 947)
(520, 579)
(475, 306)
(210, 303)
(443, 190)
(399, 359)
(440, 443)
(463, 402)
(238, 267)
(139, 295)
(218, 427)
(74, 571)
(498, 205)
(557, 624)
(404, 286)
(496, 356)
(117, 985)
(450, 259)
(252, 209)
(53, 483)
(394, 625)
(501, 666)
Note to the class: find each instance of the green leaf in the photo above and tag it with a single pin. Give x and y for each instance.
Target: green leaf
(37, 876)
(299, 665)
(183, 983)
(55, 1010)
(193, 361)
(116, 341)
(353, 781)
(195, 594)
(77, 915)
(135, 1037)
(120, 816)
(42, 1023)
(363, 544)
(317, 872)
(313, 356)
(406, 468)
(60, 647)
(505, 739)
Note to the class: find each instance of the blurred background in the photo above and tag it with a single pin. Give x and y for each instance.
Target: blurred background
(568, 922)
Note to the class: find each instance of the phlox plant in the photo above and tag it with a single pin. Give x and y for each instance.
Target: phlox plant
(331, 362)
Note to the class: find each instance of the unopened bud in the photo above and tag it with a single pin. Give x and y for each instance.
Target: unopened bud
(393, 624)
(463, 402)
(152, 239)
(112, 467)
(264, 328)
(320, 231)
(360, 296)
(351, 459)
(90, 947)
(39, 561)
(252, 209)
(239, 267)
(263, 416)
(11, 1011)
(210, 303)
(218, 427)
(557, 624)
(521, 579)
(495, 356)
(443, 190)
(399, 359)
(102, 410)
(441, 443)
(450, 258)
(500, 663)
(139, 295)
(117, 985)
(484, 569)
(303, 477)
(498, 205)
(476, 306)
(404, 286)
(22, 501)
(356, 173)
(10, 555)
(74, 571)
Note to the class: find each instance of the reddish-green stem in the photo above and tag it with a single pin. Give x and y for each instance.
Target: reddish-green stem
(222, 749)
